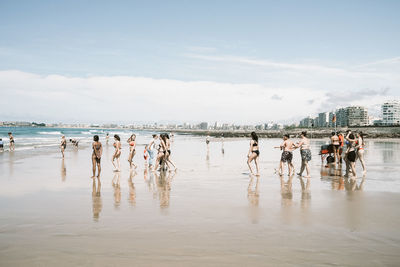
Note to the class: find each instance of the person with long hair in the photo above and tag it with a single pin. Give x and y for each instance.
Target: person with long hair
(132, 150)
(96, 156)
(117, 145)
(351, 152)
(336, 145)
(360, 150)
(305, 153)
(168, 154)
(254, 153)
(162, 151)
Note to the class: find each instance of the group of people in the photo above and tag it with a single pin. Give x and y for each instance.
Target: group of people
(11, 145)
(157, 154)
(354, 151)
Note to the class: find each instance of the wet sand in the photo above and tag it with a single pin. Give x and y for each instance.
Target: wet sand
(211, 213)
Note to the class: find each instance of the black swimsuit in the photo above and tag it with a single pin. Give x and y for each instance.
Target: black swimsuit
(256, 151)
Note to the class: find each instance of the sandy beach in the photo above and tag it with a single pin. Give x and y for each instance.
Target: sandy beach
(210, 213)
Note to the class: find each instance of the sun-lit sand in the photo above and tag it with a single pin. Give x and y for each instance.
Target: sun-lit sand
(210, 213)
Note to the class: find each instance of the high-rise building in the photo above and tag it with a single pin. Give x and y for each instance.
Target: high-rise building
(203, 125)
(342, 117)
(357, 116)
(391, 113)
(323, 119)
(307, 122)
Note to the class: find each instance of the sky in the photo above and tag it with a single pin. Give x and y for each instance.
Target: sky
(245, 62)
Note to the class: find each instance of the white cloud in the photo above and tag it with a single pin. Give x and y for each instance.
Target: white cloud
(278, 91)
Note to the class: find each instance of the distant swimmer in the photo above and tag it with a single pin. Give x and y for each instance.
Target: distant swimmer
(107, 137)
(12, 141)
(253, 153)
(63, 145)
(287, 155)
(1, 145)
(360, 150)
(132, 150)
(96, 155)
(335, 141)
(305, 153)
(208, 139)
(117, 145)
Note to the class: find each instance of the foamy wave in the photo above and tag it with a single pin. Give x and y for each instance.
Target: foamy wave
(53, 133)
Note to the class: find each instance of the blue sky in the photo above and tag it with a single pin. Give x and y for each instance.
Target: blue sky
(278, 46)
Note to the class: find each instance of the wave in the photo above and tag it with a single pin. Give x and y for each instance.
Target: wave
(53, 133)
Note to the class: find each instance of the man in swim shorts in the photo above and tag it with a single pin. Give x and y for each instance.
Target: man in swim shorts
(287, 155)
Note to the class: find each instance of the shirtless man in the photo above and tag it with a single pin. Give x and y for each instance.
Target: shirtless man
(287, 155)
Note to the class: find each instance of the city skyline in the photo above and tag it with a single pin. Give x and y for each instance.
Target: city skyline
(244, 63)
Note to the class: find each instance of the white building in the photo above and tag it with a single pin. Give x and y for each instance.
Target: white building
(357, 116)
(391, 113)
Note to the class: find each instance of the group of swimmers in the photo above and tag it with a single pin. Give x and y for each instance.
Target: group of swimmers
(354, 150)
(11, 145)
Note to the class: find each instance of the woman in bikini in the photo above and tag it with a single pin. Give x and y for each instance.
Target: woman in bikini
(305, 154)
(168, 155)
(162, 151)
(360, 150)
(132, 150)
(336, 145)
(351, 153)
(117, 145)
(63, 145)
(12, 141)
(96, 155)
(254, 153)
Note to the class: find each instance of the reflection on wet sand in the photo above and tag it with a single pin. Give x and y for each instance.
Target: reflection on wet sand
(164, 187)
(286, 190)
(253, 193)
(117, 189)
(132, 190)
(253, 197)
(63, 171)
(354, 184)
(96, 199)
(149, 179)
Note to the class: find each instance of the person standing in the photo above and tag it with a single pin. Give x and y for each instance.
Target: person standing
(168, 154)
(253, 153)
(117, 145)
(351, 154)
(336, 145)
(96, 156)
(287, 155)
(12, 141)
(63, 145)
(151, 150)
(360, 150)
(305, 154)
(1, 145)
(132, 150)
